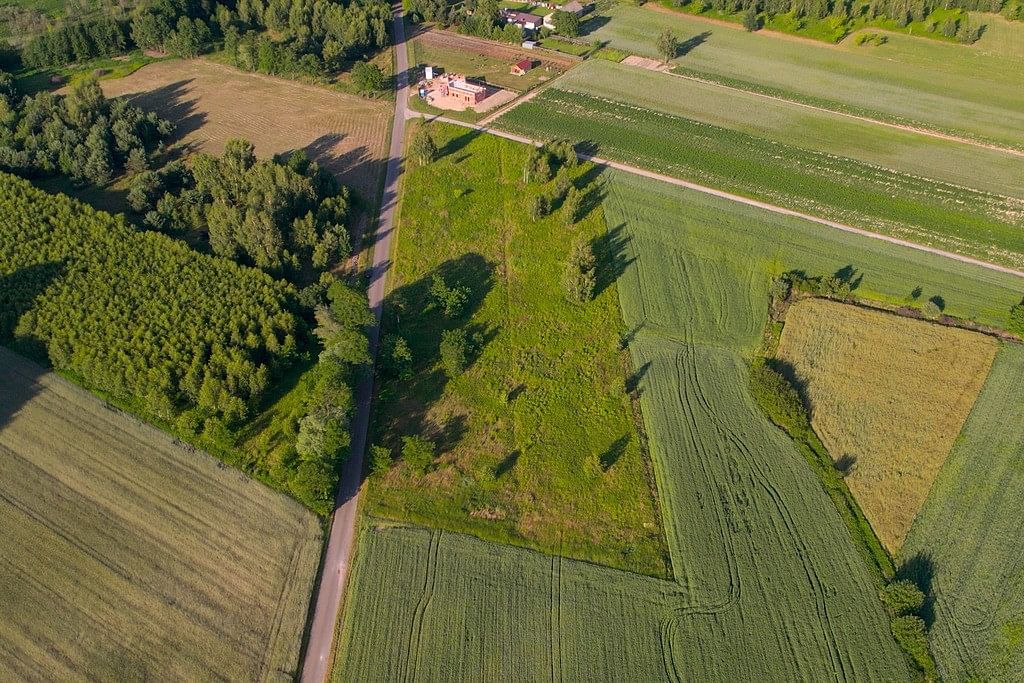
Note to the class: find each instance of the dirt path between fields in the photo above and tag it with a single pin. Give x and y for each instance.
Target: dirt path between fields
(737, 198)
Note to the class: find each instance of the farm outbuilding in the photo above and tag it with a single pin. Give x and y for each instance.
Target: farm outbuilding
(524, 20)
(521, 67)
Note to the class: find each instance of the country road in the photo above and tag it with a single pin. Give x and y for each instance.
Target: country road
(341, 541)
(733, 197)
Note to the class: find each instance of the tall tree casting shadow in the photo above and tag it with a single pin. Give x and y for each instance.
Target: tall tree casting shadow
(18, 293)
(410, 312)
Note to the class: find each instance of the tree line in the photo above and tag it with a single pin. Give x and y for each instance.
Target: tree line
(309, 36)
(902, 12)
(481, 18)
(83, 135)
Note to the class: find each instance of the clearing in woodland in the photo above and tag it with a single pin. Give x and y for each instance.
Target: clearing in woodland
(535, 440)
(768, 584)
(964, 548)
(888, 396)
(127, 556)
(210, 104)
(977, 90)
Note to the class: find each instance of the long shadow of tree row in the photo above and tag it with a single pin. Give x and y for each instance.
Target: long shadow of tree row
(410, 312)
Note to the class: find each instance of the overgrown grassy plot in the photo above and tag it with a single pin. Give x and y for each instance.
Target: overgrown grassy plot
(535, 440)
(964, 547)
(887, 396)
(952, 217)
(127, 556)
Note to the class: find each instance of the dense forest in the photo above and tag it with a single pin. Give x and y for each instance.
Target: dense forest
(284, 215)
(83, 135)
(193, 341)
(275, 36)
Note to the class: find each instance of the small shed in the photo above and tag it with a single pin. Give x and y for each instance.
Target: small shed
(521, 67)
(529, 44)
(428, 72)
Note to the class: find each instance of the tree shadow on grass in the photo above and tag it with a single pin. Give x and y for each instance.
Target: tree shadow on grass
(173, 102)
(690, 44)
(610, 251)
(920, 568)
(614, 452)
(409, 312)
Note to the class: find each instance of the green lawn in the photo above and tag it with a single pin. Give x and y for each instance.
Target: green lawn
(536, 440)
(944, 215)
(976, 89)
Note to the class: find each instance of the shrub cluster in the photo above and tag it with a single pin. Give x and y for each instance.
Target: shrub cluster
(580, 276)
(904, 600)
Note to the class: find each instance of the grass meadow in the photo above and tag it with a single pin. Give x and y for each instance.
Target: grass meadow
(888, 396)
(964, 547)
(536, 441)
(128, 556)
(945, 215)
(977, 90)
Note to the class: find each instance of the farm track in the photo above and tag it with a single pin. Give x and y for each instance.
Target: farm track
(734, 197)
(341, 541)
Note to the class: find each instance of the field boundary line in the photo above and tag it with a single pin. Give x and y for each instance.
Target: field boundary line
(739, 199)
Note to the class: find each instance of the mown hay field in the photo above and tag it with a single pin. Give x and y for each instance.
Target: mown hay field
(977, 90)
(536, 441)
(210, 104)
(129, 557)
(916, 208)
(965, 545)
(791, 123)
(888, 396)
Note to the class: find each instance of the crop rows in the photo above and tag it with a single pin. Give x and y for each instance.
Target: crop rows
(944, 215)
(965, 545)
(126, 556)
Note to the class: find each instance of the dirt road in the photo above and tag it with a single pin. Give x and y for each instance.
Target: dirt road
(738, 198)
(340, 543)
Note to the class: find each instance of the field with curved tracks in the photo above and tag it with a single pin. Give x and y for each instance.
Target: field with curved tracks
(767, 581)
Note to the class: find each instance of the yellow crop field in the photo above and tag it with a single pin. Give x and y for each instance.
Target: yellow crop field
(888, 396)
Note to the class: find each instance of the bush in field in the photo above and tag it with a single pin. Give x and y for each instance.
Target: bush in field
(778, 398)
(380, 459)
(454, 352)
(579, 277)
(368, 78)
(909, 632)
(668, 45)
(571, 206)
(750, 21)
(902, 597)
(417, 452)
(423, 149)
(395, 357)
(1015, 323)
(539, 207)
(451, 300)
(931, 310)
